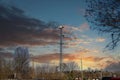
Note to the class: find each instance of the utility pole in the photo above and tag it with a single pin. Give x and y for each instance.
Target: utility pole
(61, 45)
(81, 69)
(33, 66)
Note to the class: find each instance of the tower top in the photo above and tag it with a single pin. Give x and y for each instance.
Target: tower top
(61, 27)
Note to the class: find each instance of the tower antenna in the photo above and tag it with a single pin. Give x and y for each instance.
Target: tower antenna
(61, 46)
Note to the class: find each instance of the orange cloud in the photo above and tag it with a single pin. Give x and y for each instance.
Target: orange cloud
(94, 58)
(88, 61)
(90, 58)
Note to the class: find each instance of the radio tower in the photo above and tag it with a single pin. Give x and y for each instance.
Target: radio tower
(61, 45)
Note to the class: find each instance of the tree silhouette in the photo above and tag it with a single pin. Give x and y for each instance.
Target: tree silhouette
(71, 69)
(21, 59)
(104, 14)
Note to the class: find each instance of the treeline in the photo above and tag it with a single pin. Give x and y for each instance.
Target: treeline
(18, 67)
(70, 71)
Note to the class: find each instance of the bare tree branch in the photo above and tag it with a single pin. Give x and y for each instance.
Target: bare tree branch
(104, 14)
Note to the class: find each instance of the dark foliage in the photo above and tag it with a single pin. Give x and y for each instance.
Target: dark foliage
(105, 15)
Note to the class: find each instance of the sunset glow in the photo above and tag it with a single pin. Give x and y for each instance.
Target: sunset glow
(34, 24)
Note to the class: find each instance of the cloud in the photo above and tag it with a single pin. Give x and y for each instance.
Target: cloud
(81, 28)
(94, 58)
(6, 55)
(90, 58)
(100, 40)
(113, 67)
(46, 57)
(88, 61)
(54, 56)
(20, 29)
(84, 40)
(84, 27)
(75, 43)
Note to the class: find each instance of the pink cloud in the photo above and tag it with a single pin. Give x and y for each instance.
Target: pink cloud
(84, 27)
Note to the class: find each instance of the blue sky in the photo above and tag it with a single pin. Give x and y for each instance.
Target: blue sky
(69, 13)
(62, 11)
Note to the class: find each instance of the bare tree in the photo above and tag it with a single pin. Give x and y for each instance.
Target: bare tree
(105, 15)
(1, 67)
(21, 58)
(71, 66)
(46, 71)
(6, 68)
(71, 69)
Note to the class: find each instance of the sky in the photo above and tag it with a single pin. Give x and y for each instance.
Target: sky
(34, 24)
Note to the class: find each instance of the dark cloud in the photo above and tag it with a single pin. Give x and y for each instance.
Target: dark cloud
(46, 57)
(113, 67)
(6, 55)
(1, 49)
(16, 28)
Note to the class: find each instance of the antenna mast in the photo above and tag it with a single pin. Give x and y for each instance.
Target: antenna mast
(61, 45)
